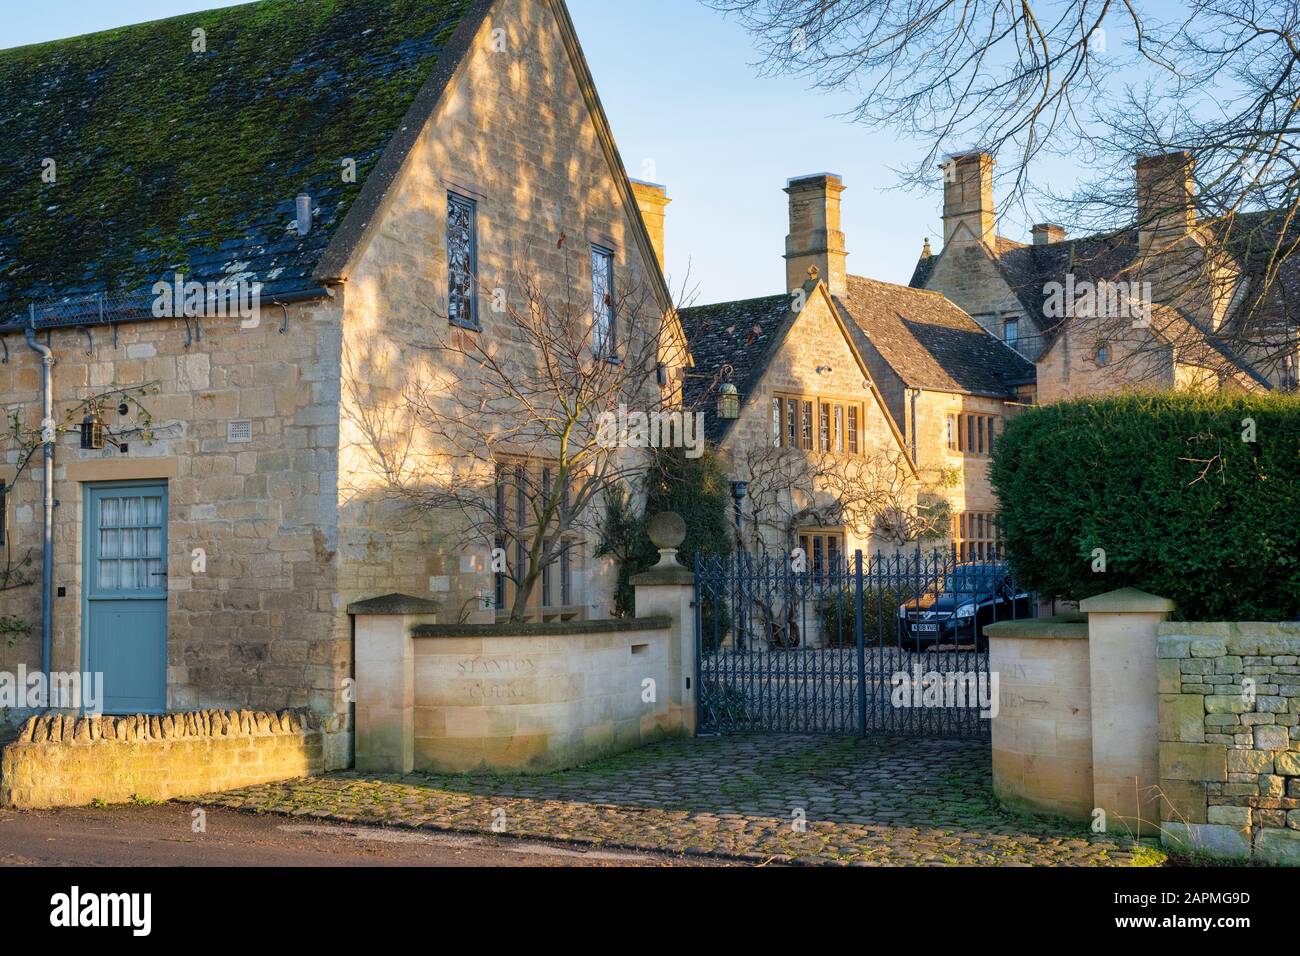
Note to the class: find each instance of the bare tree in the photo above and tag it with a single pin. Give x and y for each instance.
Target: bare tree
(790, 489)
(1103, 82)
(512, 428)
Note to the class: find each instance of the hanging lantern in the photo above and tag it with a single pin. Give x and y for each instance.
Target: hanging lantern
(92, 433)
(728, 402)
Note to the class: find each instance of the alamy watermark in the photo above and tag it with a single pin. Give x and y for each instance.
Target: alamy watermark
(625, 429)
(122, 910)
(936, 689)
(226, 298)
(1103, 299)
(62, 689)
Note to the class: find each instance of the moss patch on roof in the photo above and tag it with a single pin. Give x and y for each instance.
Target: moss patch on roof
(171, 159)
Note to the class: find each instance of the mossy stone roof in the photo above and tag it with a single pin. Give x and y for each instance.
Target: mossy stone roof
(174, 160)
(739, 335)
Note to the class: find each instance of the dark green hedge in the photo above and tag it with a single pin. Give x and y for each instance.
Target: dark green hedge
(1164, 483)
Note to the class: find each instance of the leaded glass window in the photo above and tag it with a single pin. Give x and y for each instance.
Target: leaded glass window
(462, 262)
(602, 301)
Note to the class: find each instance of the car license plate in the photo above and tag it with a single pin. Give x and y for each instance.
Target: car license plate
(926, 628)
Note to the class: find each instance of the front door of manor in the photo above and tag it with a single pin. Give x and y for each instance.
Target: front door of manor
(124, 610)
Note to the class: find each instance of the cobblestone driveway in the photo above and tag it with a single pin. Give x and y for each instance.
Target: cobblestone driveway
(867, 801)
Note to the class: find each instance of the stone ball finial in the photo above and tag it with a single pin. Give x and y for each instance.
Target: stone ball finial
(813, 273)
(667, 530)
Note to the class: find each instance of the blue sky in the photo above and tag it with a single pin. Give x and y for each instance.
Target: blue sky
(688, 110)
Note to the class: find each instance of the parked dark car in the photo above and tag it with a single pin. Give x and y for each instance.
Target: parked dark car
(957, 609)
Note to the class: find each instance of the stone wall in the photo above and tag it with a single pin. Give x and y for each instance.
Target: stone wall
(538, 702)
(521, 698)
(1230, 739)
(968, 275)
(967, 486)
(1042, 733)
(60, 761)
(1070, 369)
(514, 134)
(256, 624)
(815, 341)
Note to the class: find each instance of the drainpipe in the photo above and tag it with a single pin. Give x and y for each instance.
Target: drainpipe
(915, 393)
(47, 551)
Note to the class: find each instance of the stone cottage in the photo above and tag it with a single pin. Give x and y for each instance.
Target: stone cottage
(373, 170)
(926, 375)
(1152, 305)
(808, 433)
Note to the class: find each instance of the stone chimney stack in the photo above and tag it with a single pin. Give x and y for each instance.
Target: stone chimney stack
(1045, 233)
(1165, 198)
(652, 199)
(815, 238)
(968, 213)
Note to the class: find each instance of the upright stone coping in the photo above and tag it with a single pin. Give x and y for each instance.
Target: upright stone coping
(1042, 729)
(1122, 627)
(63, 760)
(1067, 625)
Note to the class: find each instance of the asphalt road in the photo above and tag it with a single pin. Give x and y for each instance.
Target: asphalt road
(162, 835)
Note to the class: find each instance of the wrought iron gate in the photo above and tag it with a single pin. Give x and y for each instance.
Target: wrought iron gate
(827, 644)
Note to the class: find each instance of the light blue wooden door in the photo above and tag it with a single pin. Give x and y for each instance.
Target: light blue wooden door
(124, 613)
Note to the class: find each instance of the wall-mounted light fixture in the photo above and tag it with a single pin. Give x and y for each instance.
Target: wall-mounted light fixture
(92, 430)
(728, 402)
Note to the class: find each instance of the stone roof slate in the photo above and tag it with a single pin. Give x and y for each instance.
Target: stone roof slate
(742, 335)
(923, 336)
(1027, 269)
(931, 343)
(1253, 239)
(173, 160)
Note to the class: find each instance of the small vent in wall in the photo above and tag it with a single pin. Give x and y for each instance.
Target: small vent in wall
(239, 431)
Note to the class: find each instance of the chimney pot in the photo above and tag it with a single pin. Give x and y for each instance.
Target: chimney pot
(1046, 232)
(815, 239)
(968, 211)
(1166, 194)
(302, 208)
(652, 199)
